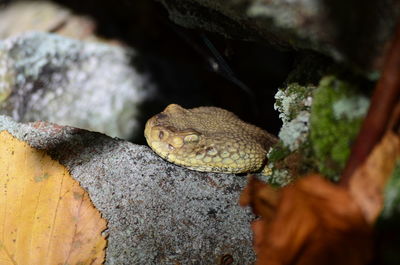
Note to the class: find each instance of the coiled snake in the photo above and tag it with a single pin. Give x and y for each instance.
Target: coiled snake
(208, 139)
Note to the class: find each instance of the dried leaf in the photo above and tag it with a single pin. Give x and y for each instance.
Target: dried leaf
(318, 222)
(262, 198)
(45, 216)
(368, 182)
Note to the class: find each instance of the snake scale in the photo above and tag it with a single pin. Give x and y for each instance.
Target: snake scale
(208, 139)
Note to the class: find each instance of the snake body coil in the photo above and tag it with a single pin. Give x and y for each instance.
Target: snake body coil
(208, 139)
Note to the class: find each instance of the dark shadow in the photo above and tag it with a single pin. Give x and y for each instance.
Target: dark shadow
(178, 62)
(358, 25)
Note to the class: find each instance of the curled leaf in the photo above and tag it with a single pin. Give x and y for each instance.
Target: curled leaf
(315, 222)
(262, 198)
(368, 182)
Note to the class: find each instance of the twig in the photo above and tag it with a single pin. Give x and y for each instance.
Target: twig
(384, 100)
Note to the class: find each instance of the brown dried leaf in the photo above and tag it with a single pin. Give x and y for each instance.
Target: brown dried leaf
(318, 222)
(368, 181)
(262, 198)
(45, 216)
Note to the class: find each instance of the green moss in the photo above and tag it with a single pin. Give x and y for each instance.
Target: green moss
(278, 152)
(336, 115)
(392, 194)
(6, 77)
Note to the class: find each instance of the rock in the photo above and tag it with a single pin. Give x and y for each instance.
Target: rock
(157, 212)
(83, 84)
(355, 32)
(319, 123)
(45, 17)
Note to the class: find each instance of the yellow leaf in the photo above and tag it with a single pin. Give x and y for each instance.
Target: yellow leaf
(45, 216)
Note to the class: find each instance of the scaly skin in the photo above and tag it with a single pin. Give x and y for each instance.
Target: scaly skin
(208, 139)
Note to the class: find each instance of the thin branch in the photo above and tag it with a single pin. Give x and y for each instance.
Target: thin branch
(384, 100)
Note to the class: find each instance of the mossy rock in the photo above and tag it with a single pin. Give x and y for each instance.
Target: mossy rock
(336, 115)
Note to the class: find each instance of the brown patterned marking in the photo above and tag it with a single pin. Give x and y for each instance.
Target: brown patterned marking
(208, 139)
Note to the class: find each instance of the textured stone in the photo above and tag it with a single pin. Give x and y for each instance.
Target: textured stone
(355, 31)
(83, 84)
(157, 213)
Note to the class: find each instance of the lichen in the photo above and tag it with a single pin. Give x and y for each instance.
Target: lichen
(275, 155)
(336, 116)
(295, 132)
(319, 124)
(350, 108)
(280, 177)
(89, 85)
(293, 104)
(292, 99)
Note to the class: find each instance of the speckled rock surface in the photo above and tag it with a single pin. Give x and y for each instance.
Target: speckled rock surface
(157, 213)
(82, 84)
(358, 35)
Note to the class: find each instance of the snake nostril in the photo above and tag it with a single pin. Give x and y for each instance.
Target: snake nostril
(161, 135)
(161, 116)
(191, 138)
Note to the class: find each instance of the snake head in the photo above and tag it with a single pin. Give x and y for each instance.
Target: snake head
(165, 139)
(207, 139)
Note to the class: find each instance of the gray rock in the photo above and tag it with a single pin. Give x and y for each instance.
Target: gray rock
(157, 213)
(82, 84)
(354, 31)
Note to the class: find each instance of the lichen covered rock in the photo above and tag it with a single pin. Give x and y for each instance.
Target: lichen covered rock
(83, 84)
(293, 102)
(357, 36)
(319, 124)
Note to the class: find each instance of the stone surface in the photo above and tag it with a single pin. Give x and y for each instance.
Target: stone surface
(44, 16)
(355, 32)
(157, 213)
(82, 84)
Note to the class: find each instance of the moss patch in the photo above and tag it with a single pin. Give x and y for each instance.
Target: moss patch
(392, 194)
(336, 114)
